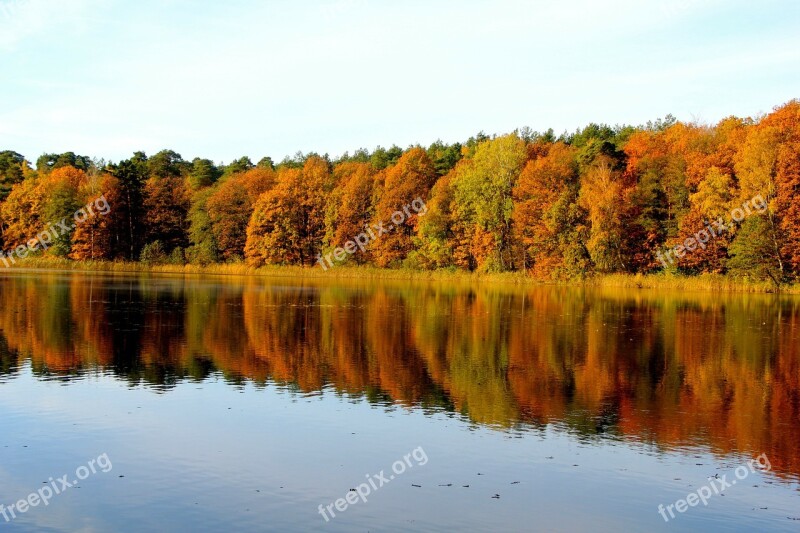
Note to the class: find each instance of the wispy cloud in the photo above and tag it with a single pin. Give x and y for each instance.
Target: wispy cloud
(23, 19)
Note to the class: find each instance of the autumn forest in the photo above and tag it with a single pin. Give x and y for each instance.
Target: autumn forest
(600, 200)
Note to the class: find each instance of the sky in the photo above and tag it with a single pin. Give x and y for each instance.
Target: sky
(221, 80)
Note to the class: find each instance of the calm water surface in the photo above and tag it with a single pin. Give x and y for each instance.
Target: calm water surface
(244, 405)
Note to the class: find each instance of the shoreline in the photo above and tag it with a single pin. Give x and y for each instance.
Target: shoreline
(702, 283)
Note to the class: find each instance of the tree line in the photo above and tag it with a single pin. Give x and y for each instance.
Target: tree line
(600, 200)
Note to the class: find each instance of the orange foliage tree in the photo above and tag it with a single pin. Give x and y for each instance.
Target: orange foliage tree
(94, 238)
(545, 189)
(288, 221)
(411, 178)
(230, 207)
(601, 191)
(354, 204)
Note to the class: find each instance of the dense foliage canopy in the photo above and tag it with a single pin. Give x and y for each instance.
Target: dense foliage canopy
(603, 199)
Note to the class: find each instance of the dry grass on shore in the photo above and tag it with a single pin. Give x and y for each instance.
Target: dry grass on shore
(701, 283)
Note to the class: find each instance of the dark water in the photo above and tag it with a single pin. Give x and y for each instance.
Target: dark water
(243, 405)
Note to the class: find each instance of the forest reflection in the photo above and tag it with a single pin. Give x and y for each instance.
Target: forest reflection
(676, 371)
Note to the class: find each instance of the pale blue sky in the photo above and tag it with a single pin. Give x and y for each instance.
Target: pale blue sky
(243, 77)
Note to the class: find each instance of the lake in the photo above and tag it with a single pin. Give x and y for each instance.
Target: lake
(172, 403)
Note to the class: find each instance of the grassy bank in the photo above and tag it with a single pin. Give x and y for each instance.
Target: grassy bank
(702, 283)
(241, 269)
